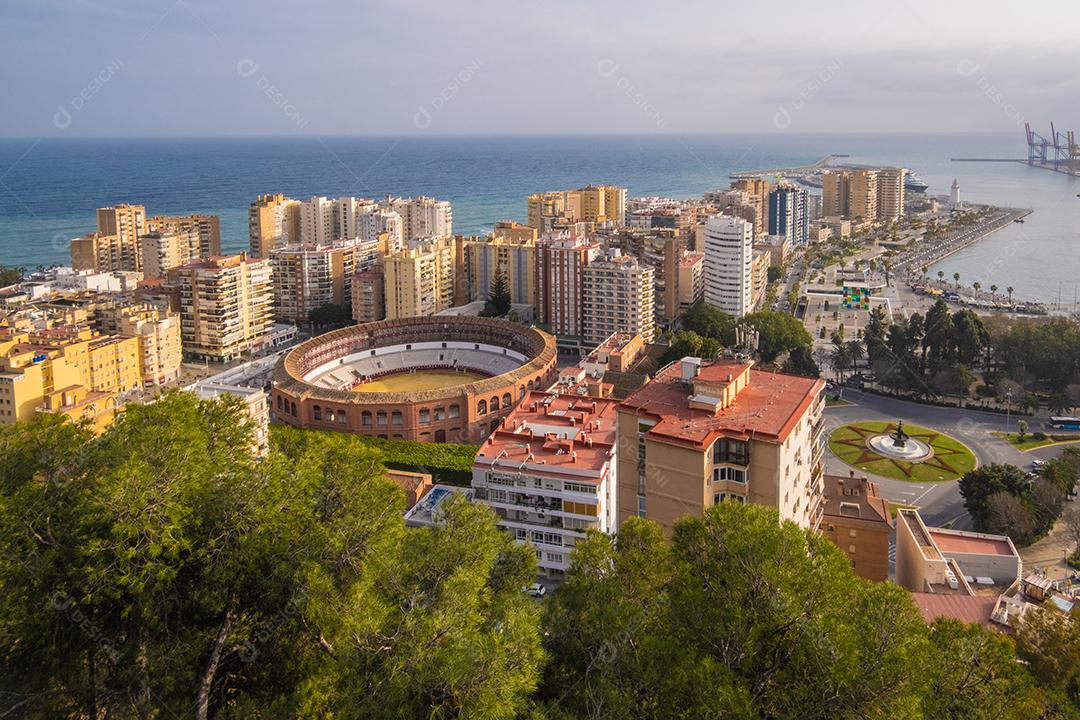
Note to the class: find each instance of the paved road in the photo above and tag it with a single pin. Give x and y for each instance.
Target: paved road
(939, 503)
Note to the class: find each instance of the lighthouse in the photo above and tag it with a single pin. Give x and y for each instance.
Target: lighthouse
(954, 195)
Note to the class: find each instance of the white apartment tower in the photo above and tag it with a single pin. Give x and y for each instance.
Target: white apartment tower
(422, 217)
(729, 243)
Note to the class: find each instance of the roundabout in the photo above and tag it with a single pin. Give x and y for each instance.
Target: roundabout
(901, 452)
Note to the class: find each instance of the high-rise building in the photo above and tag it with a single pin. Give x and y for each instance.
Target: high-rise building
(127, 223)
(320, 220)
(789, 214)
(549, 473)
(836, 194)
(511, 250)
(158, 335)
(422, 217)
(97, 252)
(864, 199)
(308, 276)
(420, 280)
(160, 251)
(206, 227)
(728, 264)
(890, 193)
(560, 268)
(592, 203)
(617, 296)
(226, 305)
(368, 296)
(371, 224)
(707, 432)
(691, 279)
(273, 221)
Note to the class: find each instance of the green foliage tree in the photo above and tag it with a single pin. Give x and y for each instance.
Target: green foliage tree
(979, 484)
(331, 315)
(778, 332)
(742, 617)
(709, 322)
(159, 570)
(10, 275)
(800, 361)
(499, 300)
(1049, 642)
(1021, 429)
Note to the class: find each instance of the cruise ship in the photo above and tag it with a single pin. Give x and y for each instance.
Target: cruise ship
(913, 182)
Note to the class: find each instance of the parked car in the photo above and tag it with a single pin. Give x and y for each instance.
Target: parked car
(535, 590)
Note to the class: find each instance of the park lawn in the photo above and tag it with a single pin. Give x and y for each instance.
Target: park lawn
(894, 507)
(951, 458)
(832, 401)
(1030, 443)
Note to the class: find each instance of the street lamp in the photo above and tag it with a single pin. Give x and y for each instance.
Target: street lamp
(1008, 407)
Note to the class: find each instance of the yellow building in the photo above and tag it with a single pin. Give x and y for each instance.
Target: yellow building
(206, 227)
(420, 280)
(128, 224)
(273, 221)
(37, 377)
(161, 251)
(890, 193)
(226, 306)
(705, 432)
(759, 275)
(592, 203)
(158, 336)
(511, 249)
(97, 252)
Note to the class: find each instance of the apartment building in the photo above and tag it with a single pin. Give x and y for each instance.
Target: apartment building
(704, 432)
(617, 295)
(160, 251)
(158, 335)
(97, 252)
(858, 521)
(226, 306)
(660, 249)
(592, 203)
(511, 249)
(729, 264)
(759, 276)
(422, 217)
(320, 220)
(890, 193)
(789, 214)
(549, 472)
(107, 363)
(368, 296)
(420, 280)
(560, 269)
(691, 282)
(128, 224)
(308, 276)
(206, 227)
(273, 221)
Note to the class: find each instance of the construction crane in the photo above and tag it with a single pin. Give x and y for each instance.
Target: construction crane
(1063, 144)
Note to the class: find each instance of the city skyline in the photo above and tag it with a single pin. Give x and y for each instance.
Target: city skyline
(564, 69)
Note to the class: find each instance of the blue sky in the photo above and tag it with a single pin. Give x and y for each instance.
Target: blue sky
(324, 67)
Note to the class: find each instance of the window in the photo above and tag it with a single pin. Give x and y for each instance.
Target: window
(727, 450)
(481, 407)
(721, 497)
(278, 402)
(852, 533)
(579, 488)
(851, 548)
(317, 412)
(493, 403)
(729, 474)
(395, 418)
(380, 417)
(365, 418)
(507, 400)
(455, 411)
(440, 414)
(425, 415)
(342, 417)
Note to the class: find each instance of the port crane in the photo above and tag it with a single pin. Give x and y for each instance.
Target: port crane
(1059, 149)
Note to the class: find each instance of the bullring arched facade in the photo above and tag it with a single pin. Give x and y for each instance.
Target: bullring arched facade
(310, 383)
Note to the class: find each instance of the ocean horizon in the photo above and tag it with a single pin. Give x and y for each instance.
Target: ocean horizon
(51, 187)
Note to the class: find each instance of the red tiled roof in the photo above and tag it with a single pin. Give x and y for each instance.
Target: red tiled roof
(767, 408)
(948, 542)
(966, 608)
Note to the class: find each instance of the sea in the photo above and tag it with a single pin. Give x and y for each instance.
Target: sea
(50, 188)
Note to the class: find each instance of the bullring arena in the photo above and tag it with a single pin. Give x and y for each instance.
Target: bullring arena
(430, 379)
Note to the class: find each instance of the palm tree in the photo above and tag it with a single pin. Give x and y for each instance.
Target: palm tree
(841, 360)
(925, 271)
(993, 291)
(977, 286)
(940, 274)
(956, 277)
(855, 352)
(1010, 291)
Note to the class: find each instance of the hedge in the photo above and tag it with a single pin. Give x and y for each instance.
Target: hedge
(447, 463)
